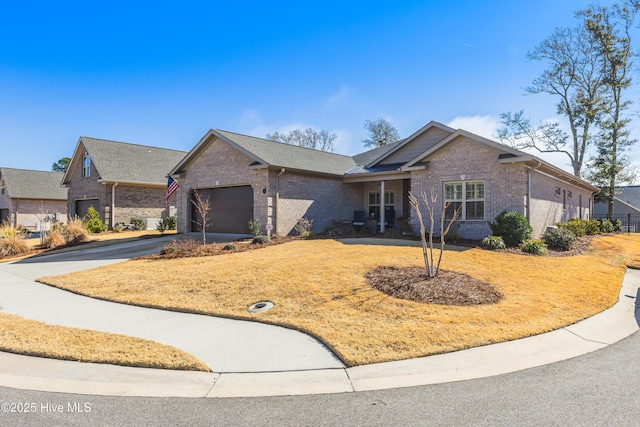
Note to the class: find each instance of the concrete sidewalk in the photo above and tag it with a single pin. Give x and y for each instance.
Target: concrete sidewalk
(296, 370)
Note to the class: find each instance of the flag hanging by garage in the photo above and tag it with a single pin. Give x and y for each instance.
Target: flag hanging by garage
(172, 186)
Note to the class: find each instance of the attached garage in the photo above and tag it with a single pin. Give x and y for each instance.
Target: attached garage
(82, 206)
(230, 210)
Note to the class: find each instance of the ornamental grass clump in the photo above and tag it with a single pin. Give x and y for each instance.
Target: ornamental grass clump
(13, 241)
(74, 232)
(260, 240)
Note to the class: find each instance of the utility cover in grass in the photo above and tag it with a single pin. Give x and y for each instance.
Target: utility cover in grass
(447, 288)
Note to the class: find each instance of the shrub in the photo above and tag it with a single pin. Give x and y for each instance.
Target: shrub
(117, 229)
(180, 247)
(93, 223)
(171, 222)
(513, 227)
(303, 227)
(493, 243)
(561, 238)
(606, 226)
(74, 232)
(260, 240)
(12, 240)
(254, 226)
(577, 226)
(137, 223)
(165, 224)
(536, 247)
(54, 238)
(617, 225)
(230, 247)
(592, 227)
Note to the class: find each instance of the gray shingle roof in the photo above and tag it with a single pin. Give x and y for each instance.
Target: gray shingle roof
(630, 195)
(291, 156)
(29, 184)
(120, 161)
(371, 155)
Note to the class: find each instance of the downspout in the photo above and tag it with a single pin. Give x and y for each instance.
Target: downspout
(113, 204)
(530, 169)
(275, 200)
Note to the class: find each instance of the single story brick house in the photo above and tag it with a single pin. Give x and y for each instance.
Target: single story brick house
(246, 177)
(31, 198)
(120, 180)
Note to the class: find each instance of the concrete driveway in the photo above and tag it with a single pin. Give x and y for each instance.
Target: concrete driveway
(225, 345)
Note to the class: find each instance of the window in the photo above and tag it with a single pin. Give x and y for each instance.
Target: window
(569, 195)
(374, 202)
(2, 186)
(557, 191)
(86, 166)
(467, 196)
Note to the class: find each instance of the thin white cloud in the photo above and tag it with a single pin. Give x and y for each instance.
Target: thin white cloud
(480, 125)
(340, 96)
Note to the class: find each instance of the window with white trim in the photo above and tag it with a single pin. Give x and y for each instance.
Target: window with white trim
(467, 196)
(86, 166)
(374, 202)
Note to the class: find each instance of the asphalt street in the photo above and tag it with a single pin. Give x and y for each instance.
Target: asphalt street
(597, 389)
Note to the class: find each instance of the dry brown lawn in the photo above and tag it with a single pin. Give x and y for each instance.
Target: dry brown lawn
(319, 287)
(33, 338)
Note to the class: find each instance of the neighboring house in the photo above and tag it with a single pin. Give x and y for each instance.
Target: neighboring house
(626, 207)
(120, 181)
(31, 198)
(246, 177)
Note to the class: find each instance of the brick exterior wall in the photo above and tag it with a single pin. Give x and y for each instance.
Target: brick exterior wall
(547, 208)
(505, 186)
(319, 198)
(130, 201)
(220, 165)
(30, 212)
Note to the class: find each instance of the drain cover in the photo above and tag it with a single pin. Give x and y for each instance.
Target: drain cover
(260, 307)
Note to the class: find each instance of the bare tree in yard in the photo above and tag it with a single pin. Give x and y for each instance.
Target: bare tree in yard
(203, 207)
(427, 247)
(575, 77)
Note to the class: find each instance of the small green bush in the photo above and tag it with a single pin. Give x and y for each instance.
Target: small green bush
(493, 243)
(560, 238)
(166, 224)
(137, 223)
(617, 225)
(606, 226)
(512, 226)
(592, 227)
(254, 227)
(93, 223)
(260, 240)
(230, 247)
(577, 226)
(536, 247)
(171, 222)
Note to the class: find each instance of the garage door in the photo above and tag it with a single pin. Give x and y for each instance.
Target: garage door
(231, 208)
(82, 206)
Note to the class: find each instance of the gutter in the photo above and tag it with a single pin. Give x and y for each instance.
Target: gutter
(529, 170)
(113, 204)
(275, 200)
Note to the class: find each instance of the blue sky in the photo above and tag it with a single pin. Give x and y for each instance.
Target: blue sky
(164, 73)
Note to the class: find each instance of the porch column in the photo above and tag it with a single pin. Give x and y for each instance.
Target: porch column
(382, 206)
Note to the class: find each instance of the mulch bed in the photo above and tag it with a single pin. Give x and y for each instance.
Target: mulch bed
(447, 288)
